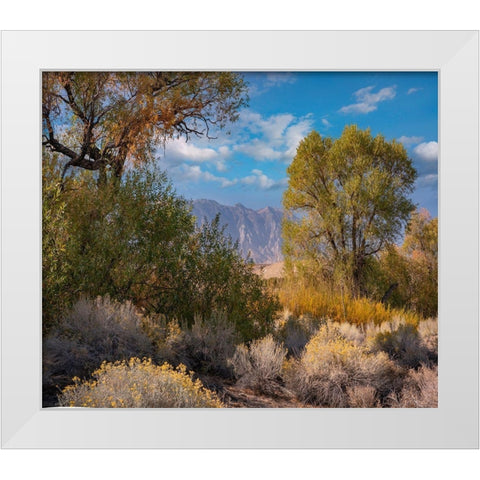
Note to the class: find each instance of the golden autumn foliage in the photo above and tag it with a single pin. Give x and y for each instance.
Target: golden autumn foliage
(102, 121)
(302, 299)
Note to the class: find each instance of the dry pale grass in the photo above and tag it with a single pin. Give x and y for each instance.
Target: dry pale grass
(92, 332)
(302, 300)
(139, 384)
(205, 347)
(362, 396)
(428, 331)
(419, 391)
(258, 366)
(402, 343)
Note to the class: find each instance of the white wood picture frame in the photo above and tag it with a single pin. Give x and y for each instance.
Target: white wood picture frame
(454, 54)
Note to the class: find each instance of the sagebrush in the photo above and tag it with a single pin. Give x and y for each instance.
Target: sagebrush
(139, 384)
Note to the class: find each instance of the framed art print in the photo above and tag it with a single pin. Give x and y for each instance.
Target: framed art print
(267, 244)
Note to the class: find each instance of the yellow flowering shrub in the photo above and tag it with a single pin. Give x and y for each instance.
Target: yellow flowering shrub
(139, 384)
(331, 367)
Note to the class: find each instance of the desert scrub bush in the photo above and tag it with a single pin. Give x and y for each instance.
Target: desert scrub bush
(362, 396)
(139, 384)
(295, 332)
(331, 367)
(353, 333)
(93, 331)
(204, 347)
(420, 389)
(258, 366)
(402, 343)
(208, 345)
(428, 331)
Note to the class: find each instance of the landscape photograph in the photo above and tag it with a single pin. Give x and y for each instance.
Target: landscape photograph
(239, 239)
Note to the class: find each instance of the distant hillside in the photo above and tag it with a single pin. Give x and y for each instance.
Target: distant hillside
(257, 231)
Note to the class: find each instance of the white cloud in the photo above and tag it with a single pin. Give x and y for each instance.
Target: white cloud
(409, 140)
(271, 128)
(273, 138)
(260, 180)
(427, 151)
(195, 174)
(326, 123)
(178, 151)
(429, 180)
(258, 150)
(367, 100)
(181, 149)
(276, 137)
(413, 90)
(295, 134)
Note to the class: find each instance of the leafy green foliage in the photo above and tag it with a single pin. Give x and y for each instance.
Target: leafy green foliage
(136, 241)
(412, 267)
(55, 267)
(128, 240)
(223, 281)
(351, 197)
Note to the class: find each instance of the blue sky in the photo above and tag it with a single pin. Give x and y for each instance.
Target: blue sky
(249, 165)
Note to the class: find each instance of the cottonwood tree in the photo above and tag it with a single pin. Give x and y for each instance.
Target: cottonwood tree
(351, 199)
(101, 121)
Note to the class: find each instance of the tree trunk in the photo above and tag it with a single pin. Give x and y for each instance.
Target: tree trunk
(389, 292)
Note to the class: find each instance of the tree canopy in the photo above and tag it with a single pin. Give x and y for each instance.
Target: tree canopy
(351, 198)
(101, 120)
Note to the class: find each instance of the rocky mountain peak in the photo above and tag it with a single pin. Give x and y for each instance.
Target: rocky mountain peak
(259, 232)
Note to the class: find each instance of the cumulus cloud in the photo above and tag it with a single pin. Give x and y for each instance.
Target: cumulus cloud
(194, 173)
(271, 128)
(178, 151)
(427, 151)
(429, 181)
(413, 90)
(258, 150)
(181, 149)
(407, 141)
(295, 134)
(274, 138)
(261, 138)
(367, 100)
(260, 180)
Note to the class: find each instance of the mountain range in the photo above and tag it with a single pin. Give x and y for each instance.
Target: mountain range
(259, 232)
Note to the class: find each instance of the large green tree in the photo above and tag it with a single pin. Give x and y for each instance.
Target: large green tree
(137, 241)
(347, 198)
(99, 121)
